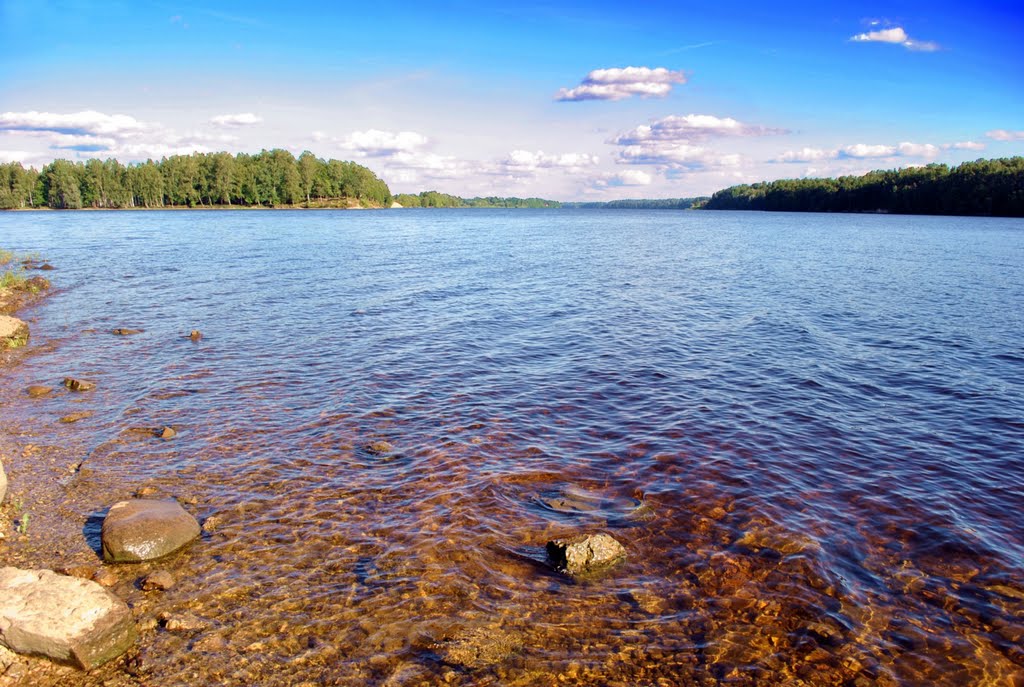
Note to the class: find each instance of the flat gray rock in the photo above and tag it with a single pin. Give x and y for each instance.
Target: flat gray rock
(66, 619)
(13, 332)
(585, 555)
(146, 529)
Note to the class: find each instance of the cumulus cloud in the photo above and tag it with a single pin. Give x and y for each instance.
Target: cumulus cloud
(1004, 135)
(236, 120)
(621, 83)
(896, 36)
(377, 143)
(629, 177)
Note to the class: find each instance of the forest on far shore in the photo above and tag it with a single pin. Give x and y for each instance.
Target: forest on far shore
(984, 187)
(268, 178)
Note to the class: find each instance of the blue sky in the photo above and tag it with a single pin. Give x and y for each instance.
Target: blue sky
(560, 100)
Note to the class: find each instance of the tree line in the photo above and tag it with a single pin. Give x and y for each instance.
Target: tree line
(984, 187)
(268, 178)
(640, 204)
(434, 199)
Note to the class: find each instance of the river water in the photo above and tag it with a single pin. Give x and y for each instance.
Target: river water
(806, 430)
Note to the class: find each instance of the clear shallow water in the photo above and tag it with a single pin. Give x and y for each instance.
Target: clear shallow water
(822, 417)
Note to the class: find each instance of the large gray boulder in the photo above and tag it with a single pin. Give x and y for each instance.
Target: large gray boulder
(67, 619)
(146, 529)
(586, 555)
(13, 332)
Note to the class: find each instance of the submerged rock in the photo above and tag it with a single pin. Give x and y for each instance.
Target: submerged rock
(145, 529)
(76, 416)
(379, 448)
(78, 384)
(122, 331)
(479, 647)
(38, 390)
(13, 332)
(195, 335)
(63, 618)
(585, 555)
(166, 433)
(158, 580)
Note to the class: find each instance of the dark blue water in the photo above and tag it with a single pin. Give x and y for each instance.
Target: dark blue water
(808, 431)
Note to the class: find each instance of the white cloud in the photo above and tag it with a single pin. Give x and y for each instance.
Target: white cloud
(377, 143)
(629, 177)
(236, 120)
(525, 160)
(689, 128)
(81, 123)
(862, 150)
(1004, 135)
(806, 155)
(925, 150)
(964, 145)
(896, 36)
(621, 83)
(676, 156)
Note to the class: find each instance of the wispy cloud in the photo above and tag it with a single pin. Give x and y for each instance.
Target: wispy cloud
(621, 83)
(377, 143)
(233, 121)
(677, 142)
(519, 161)
(1005, 135)
(865, 151)
(964, 145)
(88, 122)
(689, 128)
(896, 35)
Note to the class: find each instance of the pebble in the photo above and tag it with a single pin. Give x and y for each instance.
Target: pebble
(158, 580)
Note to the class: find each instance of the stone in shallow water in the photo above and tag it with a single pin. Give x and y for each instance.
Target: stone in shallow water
(63, 618)
(146, 529)
(13, 332)
(585, 555)
(479, 647)
(123, 331)
(38, 390)
(78, 384)
(379, 448)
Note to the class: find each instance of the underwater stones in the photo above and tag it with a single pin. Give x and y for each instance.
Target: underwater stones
(123, 331)
(13, 332)
(78, 384)
(66, 619)
(76, 416)
(158, 580)
(146, 529)
(379, 448)
(585, 555)
(38, 390)
(478, 647)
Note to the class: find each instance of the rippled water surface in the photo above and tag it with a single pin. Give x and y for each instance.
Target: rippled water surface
(807, 431)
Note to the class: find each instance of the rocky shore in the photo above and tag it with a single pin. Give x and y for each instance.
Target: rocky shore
(74, 606)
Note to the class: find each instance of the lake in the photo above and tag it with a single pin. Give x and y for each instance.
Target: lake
(806, 430)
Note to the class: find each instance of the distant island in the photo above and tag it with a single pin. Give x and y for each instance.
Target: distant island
(984, 187)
